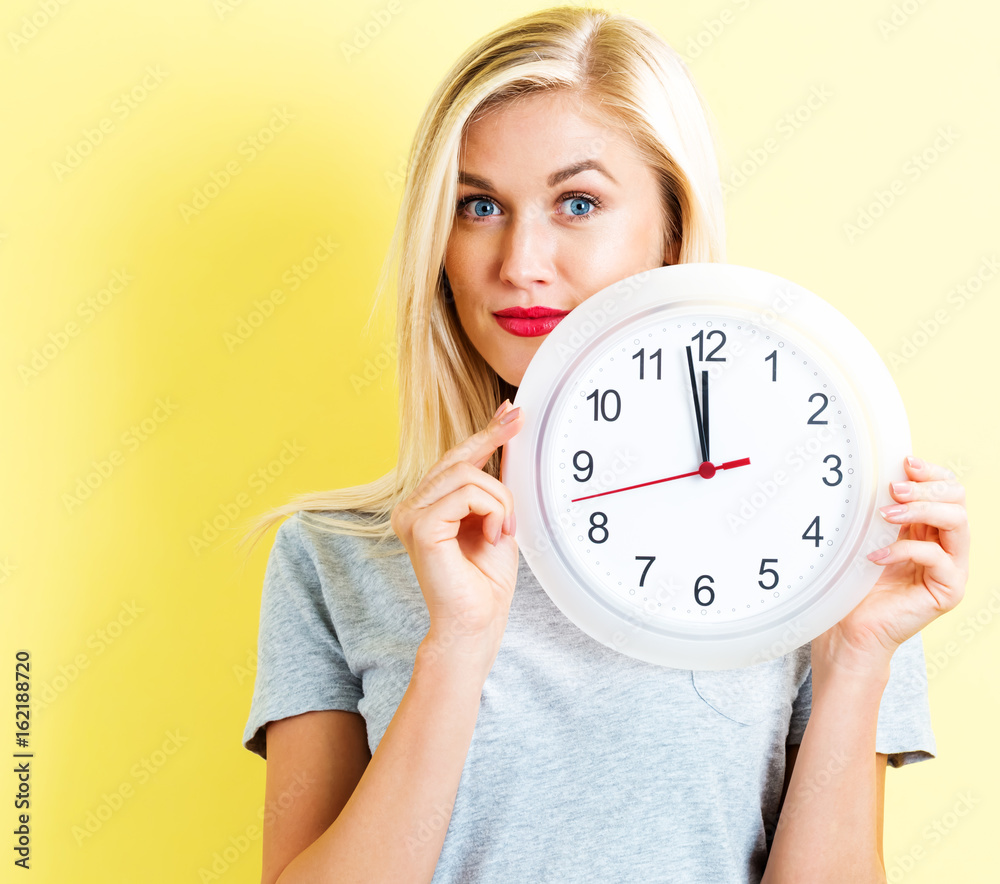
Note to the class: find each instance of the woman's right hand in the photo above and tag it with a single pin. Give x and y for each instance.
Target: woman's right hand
(458, 527)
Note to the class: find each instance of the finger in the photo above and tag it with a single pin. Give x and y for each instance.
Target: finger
(441, 520)
(943, 516)
(944, 490)
(479, 447)
(922, 470)
(434, 487)
(943, 579)
(951, 520)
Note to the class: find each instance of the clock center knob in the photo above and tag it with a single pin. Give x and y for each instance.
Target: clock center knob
(706, 470)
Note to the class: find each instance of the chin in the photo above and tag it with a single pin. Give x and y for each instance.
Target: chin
(512, 368)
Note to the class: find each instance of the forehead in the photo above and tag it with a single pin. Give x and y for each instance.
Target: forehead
(543, 131)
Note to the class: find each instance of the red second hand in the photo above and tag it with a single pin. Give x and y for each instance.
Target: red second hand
(707, 470)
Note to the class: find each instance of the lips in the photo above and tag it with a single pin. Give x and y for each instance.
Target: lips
(529, 322)
(530, 312)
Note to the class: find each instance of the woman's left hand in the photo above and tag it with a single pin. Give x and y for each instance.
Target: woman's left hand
(925, 571)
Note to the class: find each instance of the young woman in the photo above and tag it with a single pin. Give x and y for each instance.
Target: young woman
(424, 721)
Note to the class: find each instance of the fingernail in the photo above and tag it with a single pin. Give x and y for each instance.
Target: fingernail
(896, 510)
(499, 411)
(879, 554)
(914, 462)
(900, 488)
(513, 524)
(509, 416)
(496, 539)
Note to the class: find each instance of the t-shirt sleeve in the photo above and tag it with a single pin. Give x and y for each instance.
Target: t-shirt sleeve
(301, 665)
(904, 731)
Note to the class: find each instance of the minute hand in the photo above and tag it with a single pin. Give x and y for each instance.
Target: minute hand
(706, 470)
(700, 409)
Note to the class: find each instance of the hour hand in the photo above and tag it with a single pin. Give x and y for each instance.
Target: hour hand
(701, 419)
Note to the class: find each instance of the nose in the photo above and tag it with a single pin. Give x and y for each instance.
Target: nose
(528, 251)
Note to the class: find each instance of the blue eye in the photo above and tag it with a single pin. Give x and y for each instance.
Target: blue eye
(578, 205)
(482, 206)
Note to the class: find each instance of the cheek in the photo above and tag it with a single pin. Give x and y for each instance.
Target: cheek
(473, 319)
(463, 252)
(461, 270)
(593, 264)
(621, 250)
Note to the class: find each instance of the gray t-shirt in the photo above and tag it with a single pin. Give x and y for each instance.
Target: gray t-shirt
(586, 765)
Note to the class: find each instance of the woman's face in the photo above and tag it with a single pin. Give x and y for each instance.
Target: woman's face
(534, 229)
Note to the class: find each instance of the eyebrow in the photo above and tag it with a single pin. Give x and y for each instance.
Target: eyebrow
(554, 179)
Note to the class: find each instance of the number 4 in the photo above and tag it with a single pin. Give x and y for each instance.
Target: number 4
(817, 537)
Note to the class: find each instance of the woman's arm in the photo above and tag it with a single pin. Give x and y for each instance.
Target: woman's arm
(830, 826)
(393, 826)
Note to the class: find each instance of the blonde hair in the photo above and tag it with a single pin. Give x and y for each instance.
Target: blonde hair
(447, 391)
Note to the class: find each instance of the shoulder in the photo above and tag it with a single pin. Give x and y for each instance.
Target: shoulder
(312, 529)
(320, 521)
(337, 540)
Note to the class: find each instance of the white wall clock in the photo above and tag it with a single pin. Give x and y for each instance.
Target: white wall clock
(704, 450)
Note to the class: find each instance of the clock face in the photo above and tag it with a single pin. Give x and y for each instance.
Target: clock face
(702, 467)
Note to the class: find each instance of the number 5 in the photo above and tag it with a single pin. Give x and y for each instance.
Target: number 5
(764, 570)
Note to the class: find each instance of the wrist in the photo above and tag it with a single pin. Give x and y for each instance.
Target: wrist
(830, 653)
(859, 674)
(462, 661)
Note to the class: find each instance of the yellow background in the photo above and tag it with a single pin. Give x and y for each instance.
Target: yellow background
(175, 671)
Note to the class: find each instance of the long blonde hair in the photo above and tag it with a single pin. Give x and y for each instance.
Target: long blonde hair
(447, 391)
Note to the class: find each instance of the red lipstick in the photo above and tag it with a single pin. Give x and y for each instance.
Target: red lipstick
(529, 322)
